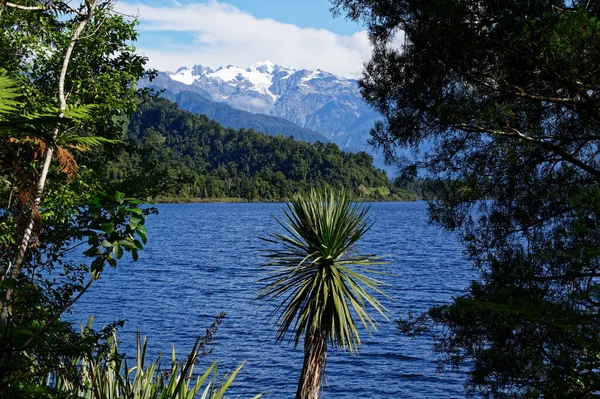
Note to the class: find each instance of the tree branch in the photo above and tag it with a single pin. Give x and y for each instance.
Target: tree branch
(568, 276)
(520, 92)
(56, 316)
(17, 265)
(512, 132)
(26, 8)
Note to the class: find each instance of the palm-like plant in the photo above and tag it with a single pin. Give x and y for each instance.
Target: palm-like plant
(321, 282)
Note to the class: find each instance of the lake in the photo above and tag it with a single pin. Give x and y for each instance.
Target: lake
(203, 259)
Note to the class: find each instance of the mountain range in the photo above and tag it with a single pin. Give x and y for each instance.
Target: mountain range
(266, 97)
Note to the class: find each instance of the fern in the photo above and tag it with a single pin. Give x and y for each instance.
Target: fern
(82, 143)
(80, 112)
(9, 93)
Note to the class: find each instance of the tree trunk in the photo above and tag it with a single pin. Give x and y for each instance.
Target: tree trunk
(17, 265)
(315, 357)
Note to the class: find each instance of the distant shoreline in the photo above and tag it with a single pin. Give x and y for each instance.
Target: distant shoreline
(169, 200)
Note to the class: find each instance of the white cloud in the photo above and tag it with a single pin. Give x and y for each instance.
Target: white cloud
(222, 35)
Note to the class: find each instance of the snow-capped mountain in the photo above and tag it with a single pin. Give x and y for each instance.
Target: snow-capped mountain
(316, 100)
(224, 82)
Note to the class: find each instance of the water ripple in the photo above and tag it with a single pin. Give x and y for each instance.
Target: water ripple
(202, 259)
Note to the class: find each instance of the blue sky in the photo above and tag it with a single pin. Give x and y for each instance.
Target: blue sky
(303, 13)
(294, 33)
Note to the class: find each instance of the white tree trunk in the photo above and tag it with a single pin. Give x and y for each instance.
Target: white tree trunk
(17, 265)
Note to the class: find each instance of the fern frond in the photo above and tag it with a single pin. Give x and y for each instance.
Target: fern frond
(9, 93)
(73, 112)
(80, 112)
(81, 143)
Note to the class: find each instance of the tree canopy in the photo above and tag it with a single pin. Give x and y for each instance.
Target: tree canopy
(68, 88)
(189, 156)
(507, 95)
(68, 68)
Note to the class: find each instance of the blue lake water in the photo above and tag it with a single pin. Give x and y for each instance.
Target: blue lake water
(203, 259)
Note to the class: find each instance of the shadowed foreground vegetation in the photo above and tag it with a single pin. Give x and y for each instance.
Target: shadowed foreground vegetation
(509, 94)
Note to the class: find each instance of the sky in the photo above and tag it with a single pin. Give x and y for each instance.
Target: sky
(293, 33)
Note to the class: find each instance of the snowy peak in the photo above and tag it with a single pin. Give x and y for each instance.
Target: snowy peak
(199, 70)
(183, 75)
(264, 78)
(266, 67)
(189, 75)
(257, 78)
(313, 99)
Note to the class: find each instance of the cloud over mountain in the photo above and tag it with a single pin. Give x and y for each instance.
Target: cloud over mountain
(220, 34)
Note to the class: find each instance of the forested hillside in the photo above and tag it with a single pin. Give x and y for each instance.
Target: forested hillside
(175, 154)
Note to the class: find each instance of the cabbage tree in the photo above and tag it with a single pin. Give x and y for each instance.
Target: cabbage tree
(322, 284)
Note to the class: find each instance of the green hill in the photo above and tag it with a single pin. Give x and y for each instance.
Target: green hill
(175, 154)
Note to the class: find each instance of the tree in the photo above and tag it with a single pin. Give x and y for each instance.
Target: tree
(46, 58)
(72, 70)
(320, 280)
(68, 80)
(507, 95)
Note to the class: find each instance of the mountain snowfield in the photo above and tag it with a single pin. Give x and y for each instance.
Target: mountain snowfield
(259, 75)
(312, 99)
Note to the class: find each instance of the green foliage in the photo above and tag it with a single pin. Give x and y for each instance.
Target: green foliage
(9, 94)
(103, 69)
(19, 125)
(322, 283)
(38, 285)
(106, 375)
(38, 339)
(508, 94)
(186, 156)
(316, 271)
(111, 225)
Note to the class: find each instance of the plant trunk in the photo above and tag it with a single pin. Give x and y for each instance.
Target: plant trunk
(16, 267)
(313, 369)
